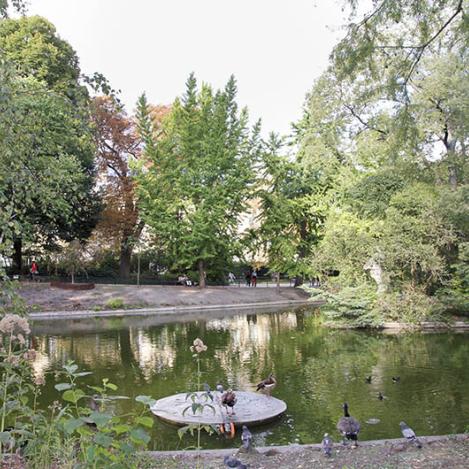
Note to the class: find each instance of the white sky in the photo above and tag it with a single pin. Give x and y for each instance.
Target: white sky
(275, 48)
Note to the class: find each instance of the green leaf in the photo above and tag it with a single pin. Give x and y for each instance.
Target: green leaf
(73, 396)
(122, 428)
(82, 373)
(103, 440)
(72, 424)
(111, 386)
(62, 386)
(147, 400)
(138, 435)
(145, 421)
(100, 418)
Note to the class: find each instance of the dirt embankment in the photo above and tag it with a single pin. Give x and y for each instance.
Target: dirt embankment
(42, 297)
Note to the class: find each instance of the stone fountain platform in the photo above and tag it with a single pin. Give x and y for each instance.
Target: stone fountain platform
(251, 409)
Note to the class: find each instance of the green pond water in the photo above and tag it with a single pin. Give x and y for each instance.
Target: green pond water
(317, 370)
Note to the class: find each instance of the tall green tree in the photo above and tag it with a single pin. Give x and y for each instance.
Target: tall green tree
(195, 178)
(289, 219)
(50, 118)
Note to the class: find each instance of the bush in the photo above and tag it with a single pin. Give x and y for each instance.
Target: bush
(349, 307)
(411, 306)
(115, 303)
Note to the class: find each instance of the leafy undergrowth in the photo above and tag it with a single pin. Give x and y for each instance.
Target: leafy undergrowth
(448, 453)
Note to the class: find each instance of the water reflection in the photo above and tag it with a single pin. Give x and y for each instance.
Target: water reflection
(317, 370)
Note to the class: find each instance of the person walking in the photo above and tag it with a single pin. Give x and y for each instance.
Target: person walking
(254, 278)
(33, 271)
(247, 276)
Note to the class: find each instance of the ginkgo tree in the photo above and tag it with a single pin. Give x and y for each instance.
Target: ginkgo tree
(195, 177)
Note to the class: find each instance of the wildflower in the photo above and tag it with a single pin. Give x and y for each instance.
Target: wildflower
(20, 338)
(39, 380)
(11, 322)
(198, 346)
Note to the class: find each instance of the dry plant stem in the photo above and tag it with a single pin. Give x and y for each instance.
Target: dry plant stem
(5, 393)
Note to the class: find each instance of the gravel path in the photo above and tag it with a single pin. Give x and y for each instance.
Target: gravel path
(42, 297)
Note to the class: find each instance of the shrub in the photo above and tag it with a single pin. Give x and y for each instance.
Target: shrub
(410, 306)
(115, 303)
(349, 307)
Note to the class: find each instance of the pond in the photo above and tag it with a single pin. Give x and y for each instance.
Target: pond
(317, 370)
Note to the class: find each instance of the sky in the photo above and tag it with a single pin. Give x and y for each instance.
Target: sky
(275, 48)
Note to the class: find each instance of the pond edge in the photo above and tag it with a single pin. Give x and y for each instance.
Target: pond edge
(297, 447)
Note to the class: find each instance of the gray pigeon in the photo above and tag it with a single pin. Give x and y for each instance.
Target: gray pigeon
(327, 445)
(246, 438)
(220, 388)
(208, 391)
(231, 461)
(408, 433)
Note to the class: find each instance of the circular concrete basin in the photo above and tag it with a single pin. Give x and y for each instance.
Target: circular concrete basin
(251, 409)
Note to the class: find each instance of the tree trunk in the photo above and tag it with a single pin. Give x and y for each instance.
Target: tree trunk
(201, 267)
(17, 255)
(124, 260)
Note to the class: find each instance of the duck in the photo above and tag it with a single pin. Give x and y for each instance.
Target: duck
(368, 380)
(327, 445)
(381, 396)
(228, 399)
(396, 379)
(348, 426)
(409, 434)
(267, 385)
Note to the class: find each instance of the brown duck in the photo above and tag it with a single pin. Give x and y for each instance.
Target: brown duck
(228, 399)
(267, 385)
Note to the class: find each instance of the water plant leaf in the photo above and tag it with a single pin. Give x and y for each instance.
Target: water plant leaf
(62, 386)
(122, 428)
(145, 421)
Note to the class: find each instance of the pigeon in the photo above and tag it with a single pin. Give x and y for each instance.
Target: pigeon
(267, 385)
(408, 433)
(348, 426)
(232, 462)
(246, 438)
(327, 445)
(208, 391)
(220, 388)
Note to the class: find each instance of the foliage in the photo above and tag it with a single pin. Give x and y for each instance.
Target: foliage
(349, 307)
(288, 219)
(115, 303)
(47, 142)
(455, 292)
(194, 180)
(117, 144)
(384, 128)
(75, 434)
(32, 44)
(72, 259)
